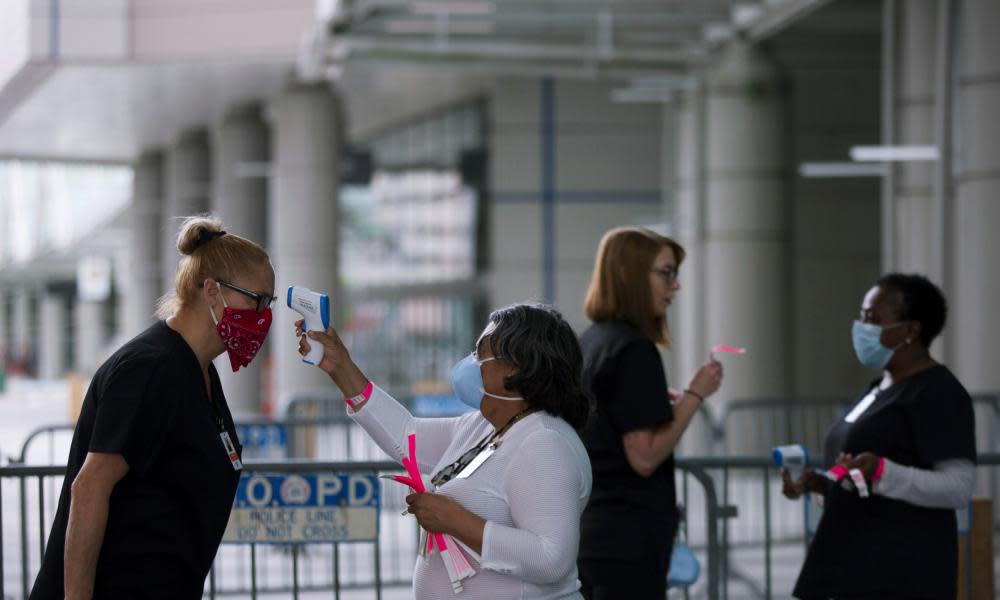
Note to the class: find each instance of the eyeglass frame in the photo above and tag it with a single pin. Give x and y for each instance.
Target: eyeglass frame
(668, 274)
(255, 296)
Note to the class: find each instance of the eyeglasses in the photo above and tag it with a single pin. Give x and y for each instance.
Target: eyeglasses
(261, 300)
(669, 275)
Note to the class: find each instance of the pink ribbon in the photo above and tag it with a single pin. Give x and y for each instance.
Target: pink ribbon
(455, 562)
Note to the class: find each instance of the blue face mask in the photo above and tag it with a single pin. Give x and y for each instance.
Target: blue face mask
(467, 381)
(868, 346)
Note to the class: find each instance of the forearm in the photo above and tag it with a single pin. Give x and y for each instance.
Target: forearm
(657, 447)
(88, 519)
(468, 528)
(349, 378)
(949, 485)
(389, 423)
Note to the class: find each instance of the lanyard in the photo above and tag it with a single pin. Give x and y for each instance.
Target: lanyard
(227, 441)
(483, 449)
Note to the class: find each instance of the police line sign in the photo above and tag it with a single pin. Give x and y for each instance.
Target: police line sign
(321, 507)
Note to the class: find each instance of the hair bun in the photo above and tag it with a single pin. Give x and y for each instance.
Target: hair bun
(196, 232)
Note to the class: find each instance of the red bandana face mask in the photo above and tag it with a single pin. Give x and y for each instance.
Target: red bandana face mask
(242, 331)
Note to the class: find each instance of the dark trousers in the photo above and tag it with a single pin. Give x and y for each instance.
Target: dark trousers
(610, 579)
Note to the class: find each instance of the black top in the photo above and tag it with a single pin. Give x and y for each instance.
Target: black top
(881, 547)
(623, 373)
(167, 515)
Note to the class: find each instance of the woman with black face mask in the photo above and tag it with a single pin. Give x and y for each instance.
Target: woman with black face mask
(155, 460)
(903, 460)
(507, 481)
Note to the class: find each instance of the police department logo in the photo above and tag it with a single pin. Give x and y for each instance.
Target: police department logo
(294, 490)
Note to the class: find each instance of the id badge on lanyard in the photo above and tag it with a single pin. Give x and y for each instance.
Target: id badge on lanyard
(234, 457)
(479, 460)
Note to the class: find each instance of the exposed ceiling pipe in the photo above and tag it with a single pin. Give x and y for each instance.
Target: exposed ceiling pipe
(343, 46)
(533, 68)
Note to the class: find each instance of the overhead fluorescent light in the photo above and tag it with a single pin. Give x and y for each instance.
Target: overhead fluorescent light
(666, 82)
(454, 8)
(894, 153)
(418, 26)
(842, 169)
(744, 15)
(641, 95)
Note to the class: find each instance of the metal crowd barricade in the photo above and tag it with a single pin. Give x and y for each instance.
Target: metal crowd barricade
(31, 535)
(767, 541)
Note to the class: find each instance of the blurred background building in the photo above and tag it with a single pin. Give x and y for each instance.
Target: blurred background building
(423, 161)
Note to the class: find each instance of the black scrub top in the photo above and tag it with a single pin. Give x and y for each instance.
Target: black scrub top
(627, 513)
(167, 515)
(879, 547)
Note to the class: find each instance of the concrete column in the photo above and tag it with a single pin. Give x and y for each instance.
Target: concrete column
(188, 186)
(22, 343)
(89, 321)
(146, 222)
(308, 129)
(975, 325)
(687, 315)
(746, 266)
(4, 328)
(52, 335)
(240, 198)
(913, 197)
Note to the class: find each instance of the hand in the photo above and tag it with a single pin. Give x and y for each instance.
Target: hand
(866, 462)
(808, 481)
(674, 394)
(435, 512)
(335, 354)
(707, 380)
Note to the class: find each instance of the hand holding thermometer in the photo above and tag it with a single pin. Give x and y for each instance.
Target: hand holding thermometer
(315, 309)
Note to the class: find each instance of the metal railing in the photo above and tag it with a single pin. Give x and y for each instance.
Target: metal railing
(763, 534)
(222, 578)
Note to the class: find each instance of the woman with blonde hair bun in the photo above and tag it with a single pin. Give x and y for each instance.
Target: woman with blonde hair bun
(154, 462)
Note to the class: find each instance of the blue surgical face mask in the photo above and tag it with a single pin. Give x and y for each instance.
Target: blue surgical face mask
(868, 347)
(467, 381)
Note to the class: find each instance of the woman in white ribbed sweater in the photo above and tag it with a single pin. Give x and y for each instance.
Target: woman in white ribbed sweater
(516, 513)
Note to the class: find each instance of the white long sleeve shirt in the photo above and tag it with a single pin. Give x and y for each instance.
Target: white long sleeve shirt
(531, 492)
(949, 485)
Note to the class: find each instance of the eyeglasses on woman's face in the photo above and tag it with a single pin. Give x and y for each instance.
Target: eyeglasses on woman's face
(668, 274)
(261, 301)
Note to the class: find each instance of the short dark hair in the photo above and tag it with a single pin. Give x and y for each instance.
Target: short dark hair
(543, 347)
(919, 300)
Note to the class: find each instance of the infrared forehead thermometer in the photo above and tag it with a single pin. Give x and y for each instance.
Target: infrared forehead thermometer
(315, 309)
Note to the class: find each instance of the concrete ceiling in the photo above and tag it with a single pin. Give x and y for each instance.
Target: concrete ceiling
(389, 58)
(110, 112)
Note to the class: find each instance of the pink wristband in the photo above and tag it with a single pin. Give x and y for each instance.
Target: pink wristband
(365, 395)
(879, 469)
(838, 472)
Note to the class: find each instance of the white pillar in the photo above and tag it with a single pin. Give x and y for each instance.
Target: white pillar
(145, 220)
(51, 336)
(22, 345)
(914, 103)
(687, 314)
(302, 218)
(4, 328)
(88, 318)
(747, 289)
(188, 181)
(240, 199)
(974, 323)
